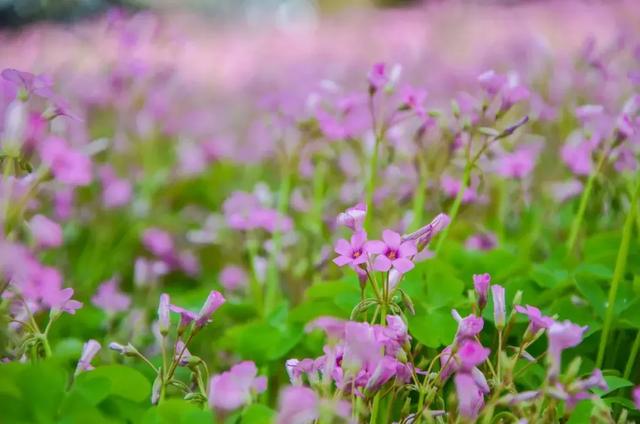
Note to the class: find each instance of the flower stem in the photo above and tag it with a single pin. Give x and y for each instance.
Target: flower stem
(273, 283)
(632, 356)
(419, 196)
(371, 181)
(618, 273)
(455, 207)
(584, 201)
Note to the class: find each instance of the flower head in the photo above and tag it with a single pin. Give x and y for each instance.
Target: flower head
(481, 286)
(392, 252)
(234, 388)
(351, 253)
(47, 233)
(353, 217)
(537, 321)
(109, 298)
(499, 308)
(562, 335)
(89, 350)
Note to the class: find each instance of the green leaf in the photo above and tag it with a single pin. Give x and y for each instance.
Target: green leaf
(614, 384)
(258, 414)
(125, 382)
(433, 328)
(263, 342)
(177, 411)
(582, 413)
(549, 275)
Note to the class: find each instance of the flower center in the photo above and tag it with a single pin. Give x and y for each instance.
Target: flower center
(357, 254)
(392, 254)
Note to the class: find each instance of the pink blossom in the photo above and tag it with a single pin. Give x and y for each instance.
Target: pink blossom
(562, 335)
(233, 278)
(378, 77)
(351, 253)
(69, 166)
(89, 350)
(47, 233)
(353, 217)
(471, 354)
(481, 241)
(234, 388)
(468, 327)
(469, 394)
(499, 308)
(158, 241)
(636, 397)
(110, 299)
(481, 286)
(537, 321)
(392, 252)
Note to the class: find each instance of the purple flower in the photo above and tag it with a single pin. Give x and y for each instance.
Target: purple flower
(392, 252)
(39, 85)
(481, 241)
(353, 217)
(537, 321)
(67, 165)
(468, 327)
(298, 405)
(233, 278)
(472, 354)
(116, 193)
(213, 302)
(234, 388)
(469, 394)
(89, 350)
(109, 298)
(481, 285)
(499, 308)
(424, 235)
(352, 253)
(333, 327)
(377, 77)
(636, 396)
(158, 241)
(562, 335)
(46, 232)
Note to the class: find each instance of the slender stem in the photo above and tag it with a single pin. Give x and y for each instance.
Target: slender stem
(420, 194)
(584, 201)
(632, 356)
(273, 283)
(453, 212)
(371, 181)
(618, 273)
(498, 356)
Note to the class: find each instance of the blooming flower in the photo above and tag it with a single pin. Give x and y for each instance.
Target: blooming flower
(213, 302)
(233, 278)
(351, 253)
(537, 321)
(234, 388)
(46, 232)
(562, 335)
(69, 166)
(392, 252)
(468, 327)
(109, 298)
(470, 396)
(472, 354)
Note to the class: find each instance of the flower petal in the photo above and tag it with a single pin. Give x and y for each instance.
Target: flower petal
(342, 260)
(403, 265)
(375, 247)
(407, 249)
(392, 239)
(343, 247)
(382, 263)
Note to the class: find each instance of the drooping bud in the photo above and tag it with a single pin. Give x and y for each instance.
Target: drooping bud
(163, 314)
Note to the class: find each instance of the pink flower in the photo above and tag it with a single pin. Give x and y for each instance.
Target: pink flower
(353, 217)
(469, 394)
(298, 405)
(164, 320)
(481, 286)
(38, 85)
(472, 354)
(537, 321)
(54, 296)
(110, 299)
(351, 253)
(562, 335)
(424, 235)
(234, 388)
(68, 166)
(451, 186)
(481, 241)
(377, 77)
(468, 327)
(636, 397)
(233, 278)
(158, 241)
(46, 232)
(492, 82)
(211, 304)
(392, 252)
(89, 350)
(116, 193)
(518, 164)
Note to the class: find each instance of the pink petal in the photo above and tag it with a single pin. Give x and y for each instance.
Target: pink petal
(407, 249)
(375, 247)
(343, 247)
(360, 259)
(392, 239)
(358, 239)
(403, 265)
(342, 260)
(382, 263)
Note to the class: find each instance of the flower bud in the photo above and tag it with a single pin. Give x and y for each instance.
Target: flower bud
(499, 309)
(163, 314)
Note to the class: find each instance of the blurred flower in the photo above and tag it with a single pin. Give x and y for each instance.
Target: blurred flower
(481, 286)
(69, 166)
(499, 309)
(109, 298)
(392, 252)
(353, 217)
(537, 321)
(562, 335)
(234, 388)
(481, 241)
(233, 278)
(46, 232)
(89, 350)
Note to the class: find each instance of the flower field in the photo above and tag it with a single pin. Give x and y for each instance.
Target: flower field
(417, 215)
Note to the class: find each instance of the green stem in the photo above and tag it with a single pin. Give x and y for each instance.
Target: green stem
(419, 196)
(584, 201)
(632, 356)
(455, 207)
(371, 181)
(273, 283)
(618, 273)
